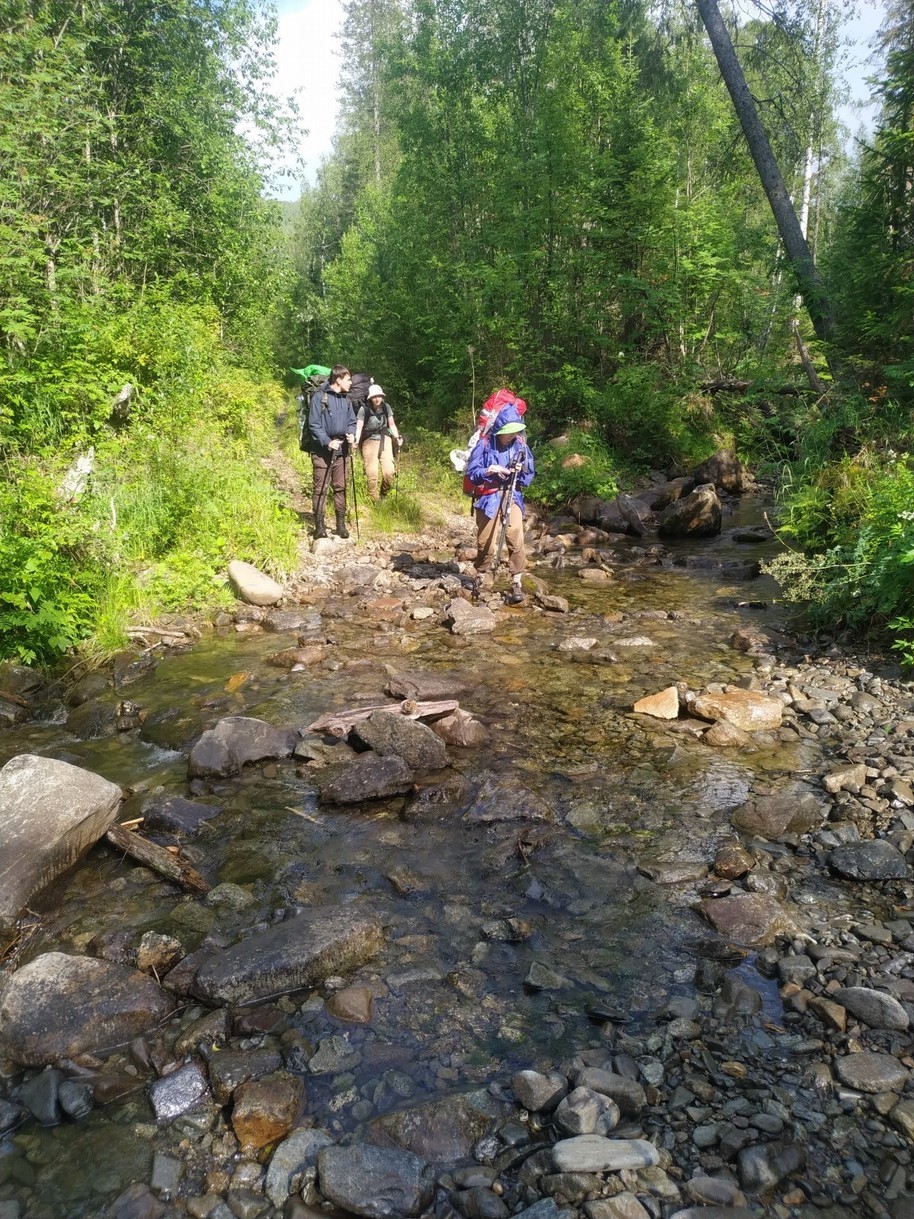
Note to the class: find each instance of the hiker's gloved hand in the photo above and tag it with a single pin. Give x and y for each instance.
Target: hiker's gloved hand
(335, 443)
(497, 472)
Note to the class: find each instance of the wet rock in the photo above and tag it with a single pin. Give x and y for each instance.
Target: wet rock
(663, 706)
(352, 1004)
(764, 1165)
(441, 1130)
(296, 953)
(772, 817)
(50, 813)
(745, 709)
(872, 860)
(395, 734)
(93, 721)
(714, 1191)
(635, 513)
(747, 918)
(620, 1206)
(234, 742)
(541, 977)
(733, 861)
(870, 1071)
(595, 575)
(291, 1157)
(750, 639)
(465, 618)
(158, 953)
(137, 1202)
(537, 1092)
(60, 1006)
(460, 728)
(427, 687)
(366, 777)
(724, 470)
(284, 621)
(550, 601)
(11, 1116)
(628, 1094)
(874, 1007)
(129, 667)
(683, 872)
(298, 658)
(845, 778)
(334, 1056)
(209, 1031)
(265, 1110)
(725, 736)
(176, 815)
(375, 1182)
(501, 799)
(479, 1202)
(253, 586)
(229, 1069)
(696, 515)
(902, 1118)
(584, 1111)
(40, 1095)
(177, 1093)
(593, 1153)
(577, 643)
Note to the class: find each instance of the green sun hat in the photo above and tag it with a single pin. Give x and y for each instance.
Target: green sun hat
(510, 428)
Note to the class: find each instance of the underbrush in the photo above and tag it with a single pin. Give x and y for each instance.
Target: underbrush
(852, 523)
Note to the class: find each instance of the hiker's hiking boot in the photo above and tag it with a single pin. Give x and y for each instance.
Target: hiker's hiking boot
(320, 529)
(341, 529)
(515, 596)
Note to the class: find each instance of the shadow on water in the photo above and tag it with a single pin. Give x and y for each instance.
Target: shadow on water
(469, 907)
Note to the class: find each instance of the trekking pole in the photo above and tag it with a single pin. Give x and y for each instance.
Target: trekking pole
(355, 502)
(399, 444)
(505, 513)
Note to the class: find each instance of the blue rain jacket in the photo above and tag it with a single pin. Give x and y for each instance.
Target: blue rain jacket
(487, 453)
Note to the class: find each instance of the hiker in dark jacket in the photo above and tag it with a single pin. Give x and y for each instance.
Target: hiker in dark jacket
(376, 433)
(490, 467)
(331, 422)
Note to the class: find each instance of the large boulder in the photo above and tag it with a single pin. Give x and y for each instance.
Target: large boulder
(503, 799)
(697, 515)
(391, 733)
(365, 777)
(299, 952)
(724, 470)
(874, 859)
(59, 1006)
(635, 513)
(236, 741)
(745, 709)
(50, 813)
(253, 586)
(374, 1182)
(747, 918)
(442, 1130)
(772, 817)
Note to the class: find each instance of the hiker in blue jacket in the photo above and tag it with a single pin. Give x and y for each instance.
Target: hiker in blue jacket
(331, 422)
(490, 467)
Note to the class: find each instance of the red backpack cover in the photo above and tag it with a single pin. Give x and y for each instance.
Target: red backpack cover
(488, 413)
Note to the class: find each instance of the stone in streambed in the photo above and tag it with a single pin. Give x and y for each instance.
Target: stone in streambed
(501, 799)
(538, 1092)
(593, 1153)
(265, 1110)
(253, 586)
(441, 1130)
(60, 1006)
(234, 742)
(229, 1069)
(747, 918)
(872, 860)
(682, 873)
(376, 1182)
(460, 728)
(390, 733)
(696, 515)
(870, 1071)
(628, 1094)
(874, 1007)
(179, 1092)
(744, 709)
(793, 812)
(297, 953)
(467, 619)
(364, 777)
(291, 1157)
(663, 706)
(50, 814)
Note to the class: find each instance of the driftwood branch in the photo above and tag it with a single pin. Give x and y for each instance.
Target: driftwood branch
(172, 867)
(340, 723)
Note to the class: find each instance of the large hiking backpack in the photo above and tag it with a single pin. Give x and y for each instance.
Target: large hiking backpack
(358, 389)
(488, 413)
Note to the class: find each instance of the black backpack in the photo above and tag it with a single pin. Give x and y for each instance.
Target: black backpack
(358, 390)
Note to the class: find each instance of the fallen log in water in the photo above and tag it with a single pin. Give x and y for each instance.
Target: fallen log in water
(172, 867)
(340, 723)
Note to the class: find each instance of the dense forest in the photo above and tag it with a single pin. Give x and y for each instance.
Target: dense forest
(552, 194)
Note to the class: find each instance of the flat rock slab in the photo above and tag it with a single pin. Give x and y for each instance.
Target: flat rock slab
(681, 873)
(253, 586)
(460, 728)
(663, 706)
(874, 1007)
(374, 1181)
(872, 860)
(594, 1153)
(234, 742)
(297, 953)
(506, 800)
(869, 1071)
(441, 1131)
(365, 777)
(60, 1006)
(743, 709)
(395, 734)
(747, 918)
(50, 813)
(427, 687)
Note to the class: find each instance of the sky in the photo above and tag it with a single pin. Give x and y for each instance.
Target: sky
(307, 64)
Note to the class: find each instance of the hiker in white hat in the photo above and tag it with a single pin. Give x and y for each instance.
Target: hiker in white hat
(376, 433)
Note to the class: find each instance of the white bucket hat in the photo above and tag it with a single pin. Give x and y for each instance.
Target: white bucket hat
(374, 391)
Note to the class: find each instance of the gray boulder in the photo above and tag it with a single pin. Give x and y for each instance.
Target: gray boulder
(60, 1006)
(390, 733)
(500, 799)
(723, 470)
(697, 515)
(297, 953)
(442, 1130)
(430, 687)
(236, 741)
(874, 1007)
(872, 860)
(365, 777)
(253, 586)
(374, 1181)
(467, 619)
(635, 513)
(50, 813)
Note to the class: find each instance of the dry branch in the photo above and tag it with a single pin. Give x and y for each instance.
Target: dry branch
(170, 866)
(340, 723)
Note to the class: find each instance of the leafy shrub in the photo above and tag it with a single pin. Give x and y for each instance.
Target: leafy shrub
(556, 484)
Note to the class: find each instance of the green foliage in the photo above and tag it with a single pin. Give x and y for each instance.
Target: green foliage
(557, 484)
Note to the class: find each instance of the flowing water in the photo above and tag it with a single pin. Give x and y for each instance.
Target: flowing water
(452, 1004)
